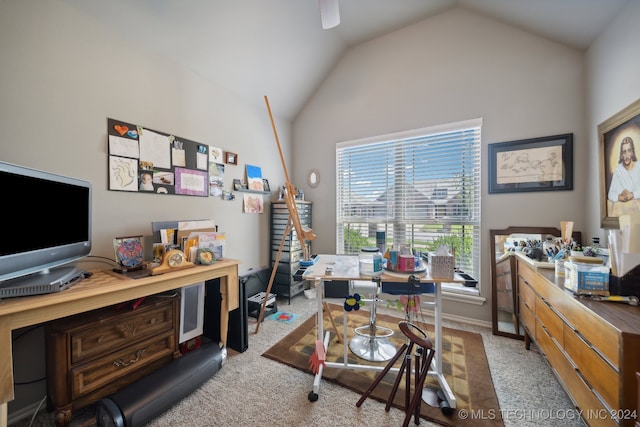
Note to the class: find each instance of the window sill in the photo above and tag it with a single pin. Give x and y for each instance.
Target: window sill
(461, 293)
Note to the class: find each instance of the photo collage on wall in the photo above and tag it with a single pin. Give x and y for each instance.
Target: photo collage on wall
(148, 161)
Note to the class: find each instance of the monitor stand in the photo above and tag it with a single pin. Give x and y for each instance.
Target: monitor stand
(45, 282)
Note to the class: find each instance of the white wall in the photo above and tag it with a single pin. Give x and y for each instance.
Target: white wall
(613, 83)
(63, 74)
(455, 66)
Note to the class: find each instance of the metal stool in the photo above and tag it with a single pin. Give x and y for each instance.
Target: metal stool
(371, 341)
(423, 358)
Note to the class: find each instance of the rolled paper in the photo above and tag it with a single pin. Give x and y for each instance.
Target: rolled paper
(566, 229)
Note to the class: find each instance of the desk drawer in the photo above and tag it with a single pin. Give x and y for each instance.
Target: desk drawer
(88, 377)
(120, 331)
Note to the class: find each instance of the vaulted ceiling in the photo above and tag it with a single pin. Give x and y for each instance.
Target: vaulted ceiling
(278, 47)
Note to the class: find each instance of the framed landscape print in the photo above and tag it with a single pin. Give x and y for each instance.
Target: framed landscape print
(536, 164)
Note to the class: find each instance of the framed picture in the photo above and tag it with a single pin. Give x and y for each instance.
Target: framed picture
(237, 184)
(619, 168)
(536, 164)
(265, 185)
(230, 158)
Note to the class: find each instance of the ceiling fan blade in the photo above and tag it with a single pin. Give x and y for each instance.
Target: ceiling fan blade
(329, 13)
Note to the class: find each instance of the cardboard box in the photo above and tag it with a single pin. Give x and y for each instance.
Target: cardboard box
(586, 279)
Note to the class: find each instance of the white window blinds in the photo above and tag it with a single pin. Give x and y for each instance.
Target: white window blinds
(421, 187)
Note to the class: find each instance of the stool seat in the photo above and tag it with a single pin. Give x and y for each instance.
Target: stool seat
(371, 341)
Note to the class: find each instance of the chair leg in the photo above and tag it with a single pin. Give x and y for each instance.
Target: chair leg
(414, 406)
(381, 375)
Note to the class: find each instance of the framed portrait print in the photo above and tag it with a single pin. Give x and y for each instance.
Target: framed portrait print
(230, 158)
(619, 168)
(536, 164)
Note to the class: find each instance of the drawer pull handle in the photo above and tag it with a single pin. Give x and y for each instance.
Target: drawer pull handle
(152, 321)
(101, 339)
(120, 362)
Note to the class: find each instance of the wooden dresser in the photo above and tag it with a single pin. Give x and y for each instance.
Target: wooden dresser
(92, 355)
(593, 347)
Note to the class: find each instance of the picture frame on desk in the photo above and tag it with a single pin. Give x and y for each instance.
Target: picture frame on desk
(535, 164)
(618, 137)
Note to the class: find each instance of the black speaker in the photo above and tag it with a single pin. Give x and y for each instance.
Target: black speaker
(238, 333)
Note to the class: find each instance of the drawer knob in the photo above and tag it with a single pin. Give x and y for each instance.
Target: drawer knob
(152, 321)
(101, 339)
(121, 362)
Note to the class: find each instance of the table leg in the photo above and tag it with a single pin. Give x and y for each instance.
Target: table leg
(319, 284)
(437, 310)
(6, 371)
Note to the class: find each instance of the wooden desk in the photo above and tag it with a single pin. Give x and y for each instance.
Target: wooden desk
(345, 267)
(103, 289)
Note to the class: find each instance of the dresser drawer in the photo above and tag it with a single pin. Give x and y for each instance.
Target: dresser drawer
(605, 339)
(504, 267)
(527, 318)
(550, 320)
(116, 333)
(88, 377)
(599, 374)
(527, 296)
(595, 412)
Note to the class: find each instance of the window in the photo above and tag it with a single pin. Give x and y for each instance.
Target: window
(421, 187)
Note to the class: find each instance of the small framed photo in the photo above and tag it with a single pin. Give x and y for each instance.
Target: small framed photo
(230, 158)
(237, 185)
(265, 185)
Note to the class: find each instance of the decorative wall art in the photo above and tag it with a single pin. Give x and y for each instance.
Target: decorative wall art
(619, 168)
(536, 164)
(216, 179)
(148, 161)
(230, 158)
(253, 203)
(254, 178)
(216, 155)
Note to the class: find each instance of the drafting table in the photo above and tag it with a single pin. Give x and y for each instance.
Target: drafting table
(345, 267)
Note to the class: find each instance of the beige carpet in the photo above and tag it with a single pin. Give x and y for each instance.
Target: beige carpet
(464, 364)
(251, 389)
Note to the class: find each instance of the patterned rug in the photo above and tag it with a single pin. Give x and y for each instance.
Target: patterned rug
(464, 364)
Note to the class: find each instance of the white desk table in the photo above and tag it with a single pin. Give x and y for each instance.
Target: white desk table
(345, 267)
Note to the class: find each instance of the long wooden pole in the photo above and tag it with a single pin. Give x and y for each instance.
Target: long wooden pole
(301, 232)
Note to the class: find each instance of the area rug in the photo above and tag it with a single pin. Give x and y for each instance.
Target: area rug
(464, 364)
